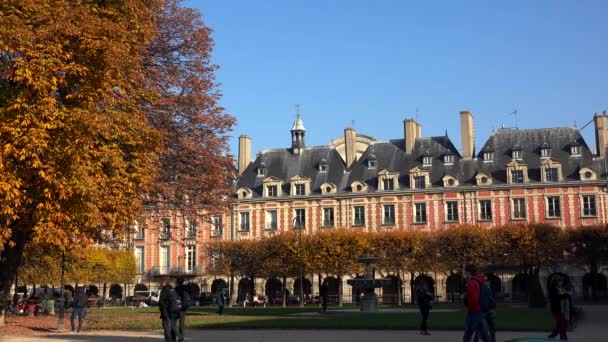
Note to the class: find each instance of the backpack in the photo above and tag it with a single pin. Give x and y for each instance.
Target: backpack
(486, 297)
(175, 302)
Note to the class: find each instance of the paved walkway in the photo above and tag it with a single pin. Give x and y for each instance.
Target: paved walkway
(593, 329)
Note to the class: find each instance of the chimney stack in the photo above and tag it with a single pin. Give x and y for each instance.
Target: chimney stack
(601, 135)
(349, 146)
(467, 135)
(411, 131)
(244, 153)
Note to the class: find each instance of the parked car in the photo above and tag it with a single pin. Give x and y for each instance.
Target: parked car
(148, 297)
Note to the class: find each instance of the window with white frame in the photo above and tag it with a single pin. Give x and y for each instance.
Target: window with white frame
(448, 159)
(420, 213)
(164, 259)
(488, 156)
(271, 219)
(190, 258)
(427, 161)
(328, 217)
(190, 228)
(575, 150)
(420, 182)
(389, 214)
(388, 184)
(139, 231)
(485, 210)
(300, 189)
(517, 176)
(589, 205)
(323, 166)
(553, 207)
(244, 224)
(545, 152)
(359, 216)
(217, 226)
(519, 208)
(139, 259)
(300, 215)
(551, 174)
(371, 163)
(261, 170)
(165, 228)
(451, 211)
(272, 190)
(516, 154)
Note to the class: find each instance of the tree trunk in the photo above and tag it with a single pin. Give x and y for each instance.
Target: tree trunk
(233, 291)
(412, 288)
(284, 291)
(10, 261)
(340, 291)
(399, 289)
(536, 297)
(103, 299)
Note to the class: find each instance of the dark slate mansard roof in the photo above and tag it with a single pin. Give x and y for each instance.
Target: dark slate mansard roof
(284, 165)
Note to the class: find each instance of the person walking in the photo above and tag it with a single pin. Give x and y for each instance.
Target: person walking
(221, 301)
(324, 296)
(557, 294)
(475, 321)
(423, 299)
(169, 306)
(79, 304)
(184, 296)
(489, 312)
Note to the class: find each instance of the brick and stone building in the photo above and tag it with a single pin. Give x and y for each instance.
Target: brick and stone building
(413, 182)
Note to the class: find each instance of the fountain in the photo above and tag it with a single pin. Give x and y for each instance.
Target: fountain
(369, 302)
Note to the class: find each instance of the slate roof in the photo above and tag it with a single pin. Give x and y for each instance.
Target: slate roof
(389, 155)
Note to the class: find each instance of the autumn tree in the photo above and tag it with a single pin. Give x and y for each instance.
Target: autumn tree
(195, 170)
(102, 102)
(283, 258)
(336, 251)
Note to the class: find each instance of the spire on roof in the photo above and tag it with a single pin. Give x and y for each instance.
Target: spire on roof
(298, 125)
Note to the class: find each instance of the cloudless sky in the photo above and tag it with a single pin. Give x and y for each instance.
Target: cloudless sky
(376, 62)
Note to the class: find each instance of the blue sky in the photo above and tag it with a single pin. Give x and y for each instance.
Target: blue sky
(377, 62)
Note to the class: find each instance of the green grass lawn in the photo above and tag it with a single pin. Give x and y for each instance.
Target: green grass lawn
(514, 318)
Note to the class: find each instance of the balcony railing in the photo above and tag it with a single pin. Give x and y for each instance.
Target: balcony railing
(271, 225)
(216, 232)
(174, 271)
(359, 222)
(244, 227)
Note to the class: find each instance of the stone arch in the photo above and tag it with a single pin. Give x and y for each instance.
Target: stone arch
(218, 283)
(307, 286)
(495, 283)
(245, 289)
(194, 289)
(115, 291)
(430, 283)
(455, 286)
(390, 292)
(141, 287)
(519, 287)
(332, 288)
(594, 286)
(273, 290)
(92, 290)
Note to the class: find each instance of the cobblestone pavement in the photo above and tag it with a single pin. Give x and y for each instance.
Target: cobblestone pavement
(593, 329)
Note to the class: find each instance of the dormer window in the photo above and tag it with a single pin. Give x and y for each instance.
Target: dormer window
(488, 156)
(517, 173)
(545, 152)
(272, 187)
(300, 189)
(261, 169)
(575, 150)
(388, 184)
(427, 161)
(272, 190)
(388, 180)
(300, 186)
(516, 154)
(323, 166)
(419, 178)
(371, 162)
(448, 159)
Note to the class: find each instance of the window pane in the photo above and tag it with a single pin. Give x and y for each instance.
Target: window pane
(389, 214)
(300, 218)
(420, 212)
(485, 210)
(244, 221)
(452, 211)
(328, 217)
(519, 208)
(589, 206)
(517, 176)
(359, 218)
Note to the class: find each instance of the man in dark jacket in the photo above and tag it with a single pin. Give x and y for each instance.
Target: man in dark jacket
(181, 290)
(557, 294)
(79, 304)
(475, 318)
(167, 315)
(324, 296)
(423, 299)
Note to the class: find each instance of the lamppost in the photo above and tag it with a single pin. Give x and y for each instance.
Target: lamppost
(61, 322)
(297, 225)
